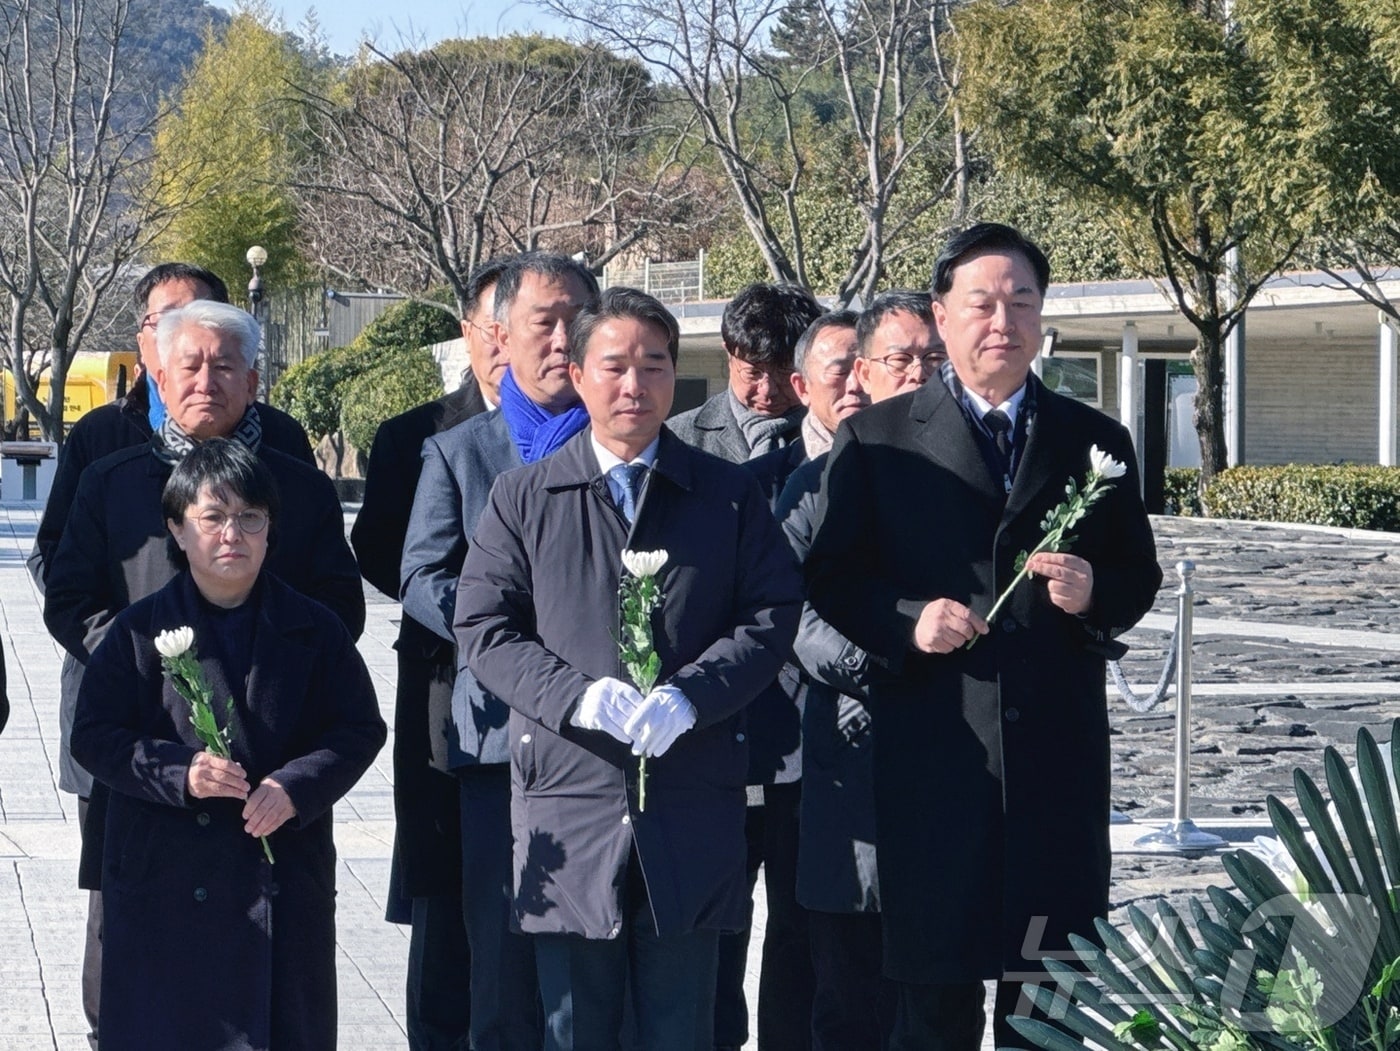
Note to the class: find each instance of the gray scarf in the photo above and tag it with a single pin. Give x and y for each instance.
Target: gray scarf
(171, 444)
(763, 434)
(816, 439)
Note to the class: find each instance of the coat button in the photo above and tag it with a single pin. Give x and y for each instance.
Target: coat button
(1013, 715)
(202, 819)
(200, 894)
(1009, 625)
(524, 738)
(738, 737)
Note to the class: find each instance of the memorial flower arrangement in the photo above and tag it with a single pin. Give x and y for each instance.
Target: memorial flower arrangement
(1301, 954)
(639, 595)
(181, 663)
(1060, 521)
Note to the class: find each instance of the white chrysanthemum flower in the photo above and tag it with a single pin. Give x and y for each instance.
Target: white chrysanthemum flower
(1104, 465)
(644, 563)
(174, 642)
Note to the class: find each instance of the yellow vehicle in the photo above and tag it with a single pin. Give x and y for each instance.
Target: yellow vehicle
(93, 379)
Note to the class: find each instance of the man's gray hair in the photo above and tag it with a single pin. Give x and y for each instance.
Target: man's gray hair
(216, 317)
(835, 319)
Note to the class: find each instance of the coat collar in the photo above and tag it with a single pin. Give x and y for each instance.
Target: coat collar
(947, 440)
(576, 465)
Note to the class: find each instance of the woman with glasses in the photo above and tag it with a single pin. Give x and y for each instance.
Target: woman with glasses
(210, 941)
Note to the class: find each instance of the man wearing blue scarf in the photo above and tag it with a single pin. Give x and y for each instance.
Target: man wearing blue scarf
(535, 299)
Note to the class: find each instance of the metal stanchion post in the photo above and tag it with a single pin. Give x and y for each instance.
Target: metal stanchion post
(1180, 835)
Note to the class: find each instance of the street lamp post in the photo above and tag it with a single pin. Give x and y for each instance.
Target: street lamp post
(257, 257)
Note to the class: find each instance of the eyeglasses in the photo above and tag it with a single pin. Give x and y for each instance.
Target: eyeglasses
(152, 319)
(899, 364)
(755, 374)
(250, 520)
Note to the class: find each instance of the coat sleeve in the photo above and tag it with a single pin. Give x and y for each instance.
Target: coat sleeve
(379, 530)
(1127, 573)
(78, 599)
(824, 653)
(767, 602)
(841, 584)
(495, 624)
(113, 737)
(351, 736)
(333, 578)
(435, 545)
(75, 455)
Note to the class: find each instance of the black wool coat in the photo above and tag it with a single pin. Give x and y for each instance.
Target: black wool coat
(537, 622)
(991, 764)
(427, 824)
(205, 945)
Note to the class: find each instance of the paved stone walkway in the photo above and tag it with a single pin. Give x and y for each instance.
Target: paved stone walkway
(1298, 644)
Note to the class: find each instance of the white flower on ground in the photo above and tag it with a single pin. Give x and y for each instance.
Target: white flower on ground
(644, 563)
(1104, 465)
(174, 642)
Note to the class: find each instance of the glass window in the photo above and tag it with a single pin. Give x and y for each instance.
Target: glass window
(1076, 376)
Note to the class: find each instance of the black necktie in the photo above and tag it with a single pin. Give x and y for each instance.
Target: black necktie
(999, 425)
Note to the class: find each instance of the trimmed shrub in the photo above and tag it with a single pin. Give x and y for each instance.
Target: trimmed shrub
(1351, 496)
(311, 390)
(397, 384)
(1181, 491)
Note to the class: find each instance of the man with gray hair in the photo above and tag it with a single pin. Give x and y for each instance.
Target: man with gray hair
(113, 550)
(537, 296)
(128, 421)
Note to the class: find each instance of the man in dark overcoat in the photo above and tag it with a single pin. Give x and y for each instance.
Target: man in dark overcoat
(895, 348)
(536, 296)
(991, 762)
(621, 896)
(132, 424)
(425, 881)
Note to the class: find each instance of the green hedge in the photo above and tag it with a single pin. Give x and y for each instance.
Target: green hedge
(1352, 496)
(1181, 491)
(396, 384)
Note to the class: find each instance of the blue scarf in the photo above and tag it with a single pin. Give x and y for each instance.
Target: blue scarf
(155, 411)
(536, 431)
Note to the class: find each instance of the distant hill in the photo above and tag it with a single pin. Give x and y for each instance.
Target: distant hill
(166, 36)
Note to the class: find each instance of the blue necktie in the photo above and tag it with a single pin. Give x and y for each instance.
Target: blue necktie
(628, 476)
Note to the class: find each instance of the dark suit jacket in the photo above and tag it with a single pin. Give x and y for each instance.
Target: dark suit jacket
(427, 821)
(174, 864)
(991, 764)
(459, 466)
(537, 622)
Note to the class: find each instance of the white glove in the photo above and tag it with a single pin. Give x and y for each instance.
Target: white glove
(662, 717)
(606, 705)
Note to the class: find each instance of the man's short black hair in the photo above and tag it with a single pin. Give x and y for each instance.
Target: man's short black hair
(228, 468)
(159, 275)
(762, 324)
(835, 319)
(483, 278)
(983, 238)
(622, 302)
(895, 301)
(546, 264)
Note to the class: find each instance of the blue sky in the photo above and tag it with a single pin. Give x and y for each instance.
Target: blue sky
(428, 21)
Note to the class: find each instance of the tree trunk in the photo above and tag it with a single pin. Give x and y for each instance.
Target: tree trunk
(1208, 363)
